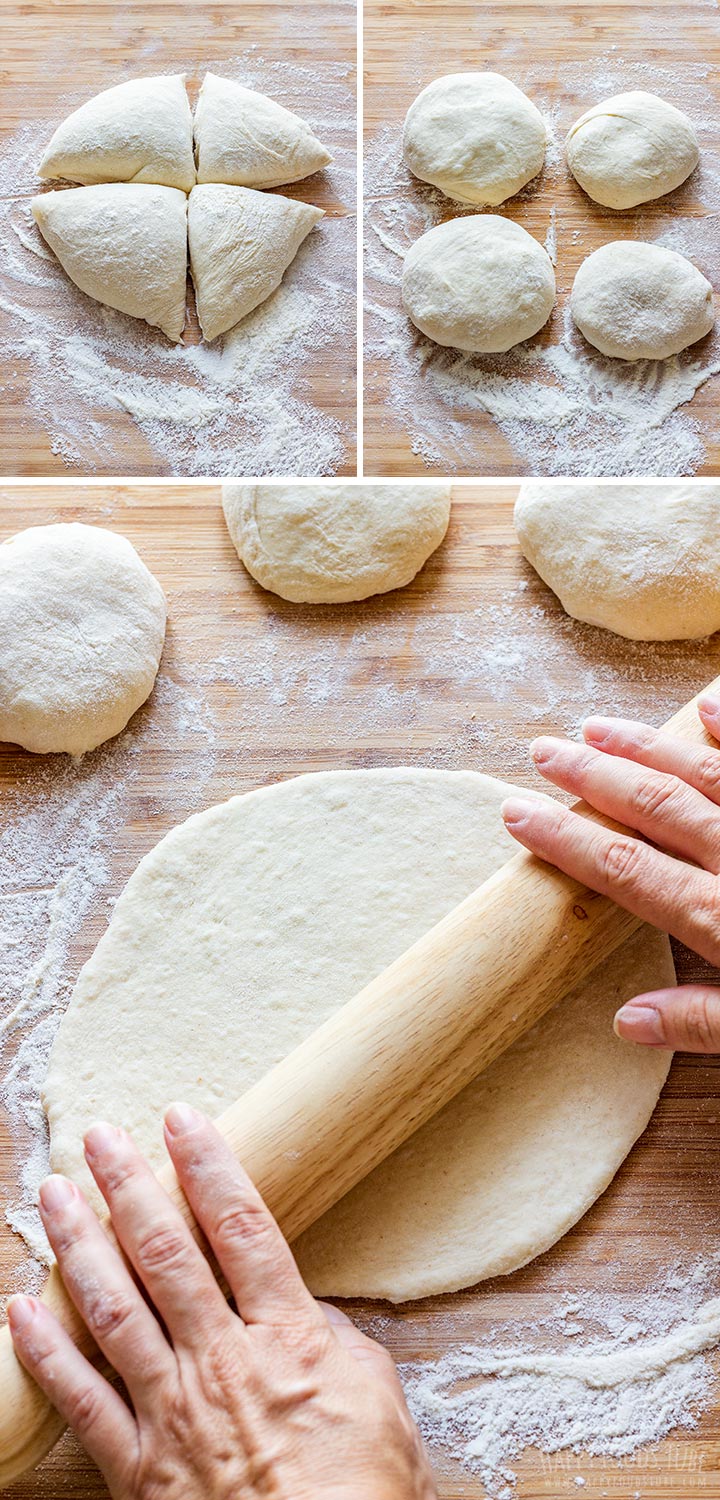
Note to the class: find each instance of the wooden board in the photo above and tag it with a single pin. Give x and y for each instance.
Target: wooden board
(55, 50)
(568, 54)
(447, 672)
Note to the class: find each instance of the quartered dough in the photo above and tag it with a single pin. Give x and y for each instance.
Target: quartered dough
(243, 137)
(631, 148)
(639, 559)
(82, 624)
(123, 243)
(331, 542)
(251, 923)
(241, 242)
(476, 136)
(633, 300)
(139, 131)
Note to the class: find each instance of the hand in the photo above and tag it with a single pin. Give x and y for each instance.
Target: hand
(670, 793)
(282, 1399)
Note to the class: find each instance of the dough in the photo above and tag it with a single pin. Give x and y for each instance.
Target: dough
(139, 131)
(630, 149)
(640, 559)
(124, 244)
(476, 136)
(241, 242)
(247, 926)
(481, 283)
(638, 301)
(82, 624)
(245, 138)
(330, 543)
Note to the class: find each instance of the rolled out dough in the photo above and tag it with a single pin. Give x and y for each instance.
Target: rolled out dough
(250, 923)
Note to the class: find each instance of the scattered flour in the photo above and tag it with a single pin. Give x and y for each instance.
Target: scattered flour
(241, 405)
(561, 406)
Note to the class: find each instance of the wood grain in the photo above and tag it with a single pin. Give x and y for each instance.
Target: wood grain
(59, 49)
(563, 45)
(663, 1203)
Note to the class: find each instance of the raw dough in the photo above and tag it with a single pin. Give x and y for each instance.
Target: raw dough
(82, 624)
(247, 926)
(640, 559)
(638, 301)
(138, 131)
(630, 149)
(241, 242)
(328, 543)
(245, 138)
(476, 136)
(124, 244)
(481, 283)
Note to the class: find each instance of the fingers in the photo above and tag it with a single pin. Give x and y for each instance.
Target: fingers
(659, 805)
(94, 1411)
(661, 752)
(686, 1019)
(156, 1240)
(365, 1350)
(103, 1290)
(249, 1246)
(654, 886)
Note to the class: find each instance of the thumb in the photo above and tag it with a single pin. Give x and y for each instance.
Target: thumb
(686, 1020)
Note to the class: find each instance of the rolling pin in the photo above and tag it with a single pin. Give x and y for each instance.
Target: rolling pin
(381, 1066)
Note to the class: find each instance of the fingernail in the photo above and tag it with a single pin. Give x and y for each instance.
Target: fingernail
(20, 1311)
(181, 1117)
(709, 703)
(515, 810)
(640, 1023)
(543, 749)
(56, 1192)
(597, 729)
(100, 1139)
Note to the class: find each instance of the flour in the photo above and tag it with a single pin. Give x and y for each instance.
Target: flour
(243, 405)
(562, 407)
(55, 868)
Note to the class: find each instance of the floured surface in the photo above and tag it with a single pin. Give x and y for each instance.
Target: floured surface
(88, 390)
(553, 405)
(456, 671)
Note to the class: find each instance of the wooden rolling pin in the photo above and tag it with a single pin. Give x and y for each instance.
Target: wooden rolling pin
(382, 1065)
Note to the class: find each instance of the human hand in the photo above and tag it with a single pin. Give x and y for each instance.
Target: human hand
(282, 1399)
(669, 792)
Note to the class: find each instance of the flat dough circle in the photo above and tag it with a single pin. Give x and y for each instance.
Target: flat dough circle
(476, 136)
(331, 543)
(639, 559)
(632, 301)
(251, 923)
(630, 149)
(481, 283)
(82, 625)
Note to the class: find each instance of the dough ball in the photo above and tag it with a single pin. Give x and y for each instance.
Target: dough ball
(640, 559)
(476, 136)
(249, 925)
(630, 149)
(638, 301)
(335, 542)
(481, 283)
(82, 624)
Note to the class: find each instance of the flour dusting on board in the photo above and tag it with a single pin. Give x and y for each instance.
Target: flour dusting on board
(562, 407)
(55, 873)
(240, 405)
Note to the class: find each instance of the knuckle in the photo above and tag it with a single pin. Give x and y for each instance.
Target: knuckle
(701, 1021)
(83, 1409)
(653, 793)
(108, 1312)
(621, 862)
(162, 1248)
(248, 1221)
(709, 774)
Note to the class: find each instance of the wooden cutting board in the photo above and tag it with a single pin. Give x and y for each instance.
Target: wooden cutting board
(57, 49)
(560, 51)
(460, 669)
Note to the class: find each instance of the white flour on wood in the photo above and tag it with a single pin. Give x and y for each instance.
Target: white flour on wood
(242, 405)
(562, 407)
